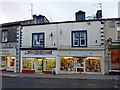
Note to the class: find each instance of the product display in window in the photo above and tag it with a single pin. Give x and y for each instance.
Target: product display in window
(3, 63)
(67, 64)
(10, 62)
(93, 65)
(39, 64)
(28, 63)
(50, 64)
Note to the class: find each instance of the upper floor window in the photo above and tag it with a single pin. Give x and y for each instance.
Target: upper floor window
(38, 39)
(4, 36)
(79, 38)
(112, 24)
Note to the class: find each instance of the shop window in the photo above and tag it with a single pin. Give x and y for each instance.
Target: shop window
(93, 65)
(3, 62)
(10, 62)
(28, 63)
(4, 36)
(50, 64)
(112, 24)
(67, 64)
(79, 38)
(115, 59)
(38, 39)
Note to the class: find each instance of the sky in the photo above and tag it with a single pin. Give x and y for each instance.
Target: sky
(54, 10)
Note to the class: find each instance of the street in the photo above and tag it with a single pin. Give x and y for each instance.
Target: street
(23, 82)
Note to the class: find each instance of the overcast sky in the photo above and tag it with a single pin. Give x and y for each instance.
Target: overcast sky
(54, 10)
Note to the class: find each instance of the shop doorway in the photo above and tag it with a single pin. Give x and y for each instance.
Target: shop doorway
(39, 64)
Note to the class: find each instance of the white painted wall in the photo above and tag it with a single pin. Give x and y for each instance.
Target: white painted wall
(47, 29)
(62, 34)
(93, 33)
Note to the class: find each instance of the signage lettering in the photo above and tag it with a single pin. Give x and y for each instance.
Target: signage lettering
(38, 52)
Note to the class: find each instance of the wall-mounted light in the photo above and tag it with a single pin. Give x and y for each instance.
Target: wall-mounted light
(51, 35)
(88, 23)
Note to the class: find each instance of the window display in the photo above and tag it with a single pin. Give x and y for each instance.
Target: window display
(3, 62)
(39, 64)
(67, 64)
(93, 64)
(10, 62)
(28, 63)
(50, 64)
(115, 59)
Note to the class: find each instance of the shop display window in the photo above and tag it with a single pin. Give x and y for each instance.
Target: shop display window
(50, 64)
(115, 59)
(10, 62)
(67, 64)
(28, 63)
(3, 63)
(39, 64)
(93, 65)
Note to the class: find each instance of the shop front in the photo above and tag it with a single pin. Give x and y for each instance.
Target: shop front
(38, 61)
(7, 61)
(81, 62)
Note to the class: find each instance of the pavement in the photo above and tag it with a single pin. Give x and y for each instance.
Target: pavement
(69, 76)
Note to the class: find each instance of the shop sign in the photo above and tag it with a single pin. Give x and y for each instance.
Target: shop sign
(4, 52)
(38, 52)
(80, 53)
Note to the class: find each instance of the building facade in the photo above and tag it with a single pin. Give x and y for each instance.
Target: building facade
(69, 47)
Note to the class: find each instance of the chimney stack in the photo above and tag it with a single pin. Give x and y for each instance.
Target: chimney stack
(99, 14)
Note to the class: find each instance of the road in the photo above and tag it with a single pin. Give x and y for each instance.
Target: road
(22, 82)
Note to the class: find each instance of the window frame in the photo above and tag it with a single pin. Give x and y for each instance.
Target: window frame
(3, 31)
(79, 45)
(38, 37)
(112, 24)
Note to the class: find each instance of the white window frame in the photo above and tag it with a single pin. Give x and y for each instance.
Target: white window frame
(79, 38)
(38, 41)
(4, 36)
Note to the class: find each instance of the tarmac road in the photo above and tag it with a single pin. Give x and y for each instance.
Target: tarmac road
(24, 82)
